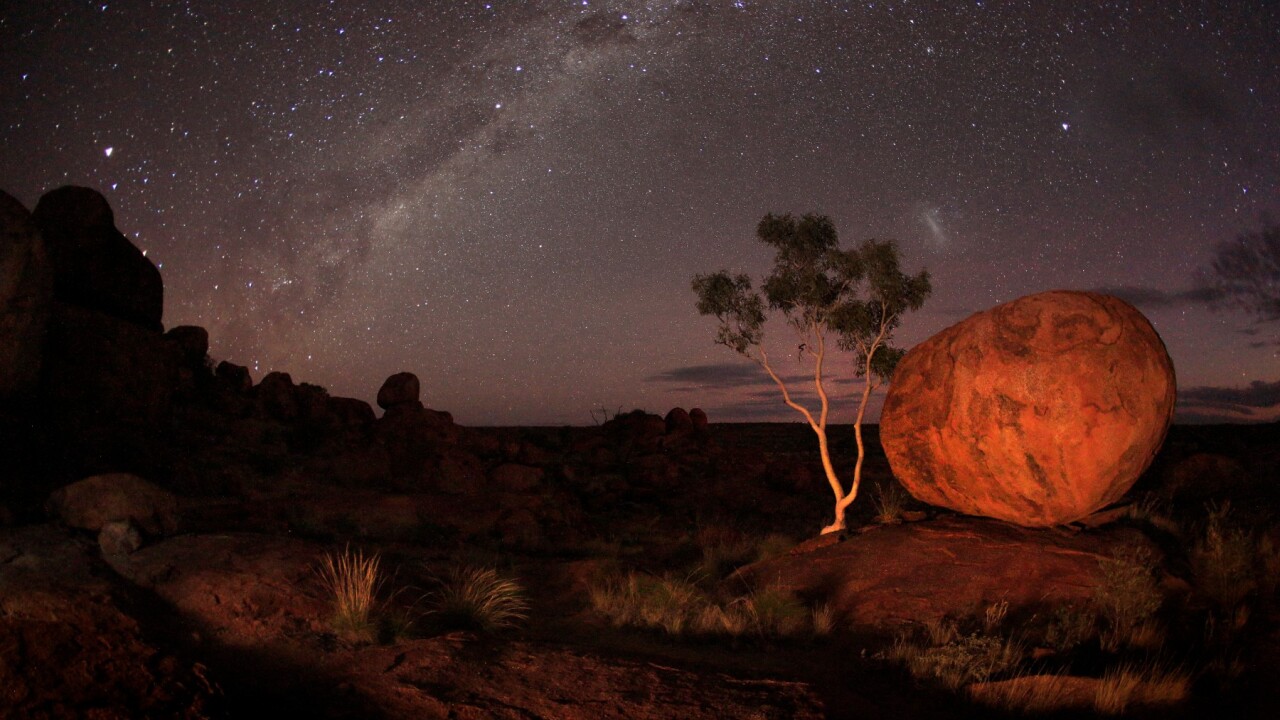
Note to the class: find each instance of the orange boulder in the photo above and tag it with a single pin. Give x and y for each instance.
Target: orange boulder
(1038, 412)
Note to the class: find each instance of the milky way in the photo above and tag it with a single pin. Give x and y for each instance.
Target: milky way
(509, 199)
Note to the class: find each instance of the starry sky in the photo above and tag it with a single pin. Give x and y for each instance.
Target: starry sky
(510, 198)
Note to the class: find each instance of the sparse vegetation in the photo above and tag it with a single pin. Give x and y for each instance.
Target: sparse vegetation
(957, 662)
(1070, 626)
(1224, 561)
(479, 599)
(353, 580)
(678, 607)
(1128, 598)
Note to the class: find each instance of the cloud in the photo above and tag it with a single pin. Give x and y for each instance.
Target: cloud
(1151, 298)
(743, 375)
(716, 375)
(1247, 401)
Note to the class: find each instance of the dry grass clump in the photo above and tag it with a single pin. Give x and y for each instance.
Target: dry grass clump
(353, 580)
(1032, 694)
(1127, 686)
(478, 598)
(890, 502)
(678, 607)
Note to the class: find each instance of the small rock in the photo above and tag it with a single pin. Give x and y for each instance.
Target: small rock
(699, 418)
(399, 389)
(118, 538)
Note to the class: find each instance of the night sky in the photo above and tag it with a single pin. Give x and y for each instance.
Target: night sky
(510, 198)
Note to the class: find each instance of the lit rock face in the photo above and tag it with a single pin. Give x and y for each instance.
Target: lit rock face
(1038, 412)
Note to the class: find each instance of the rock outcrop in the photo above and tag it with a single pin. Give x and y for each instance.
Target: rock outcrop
(916, 572)
(95, 502)
(26, 289)
(1038, 412)
(94, 265)
(399, 389)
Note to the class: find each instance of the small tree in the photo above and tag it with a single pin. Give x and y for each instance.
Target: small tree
(857, 296)
(1246, 272)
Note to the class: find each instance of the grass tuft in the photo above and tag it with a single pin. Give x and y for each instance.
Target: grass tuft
(479, 599)
(354, 580)
(890, 502)
(1128, 685)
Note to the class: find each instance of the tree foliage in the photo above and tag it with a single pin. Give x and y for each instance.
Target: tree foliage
(1246, 272)
(858, 296)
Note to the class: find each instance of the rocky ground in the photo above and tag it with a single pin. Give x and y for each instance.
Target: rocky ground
(165, 521)
(215, 608)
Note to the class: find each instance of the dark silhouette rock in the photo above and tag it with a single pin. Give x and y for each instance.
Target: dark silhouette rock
(351, 412)
(92, 503)
(698, 417)
(235, 377)
(678, 421)
(399, 389)
(276, 396)
(26, 290)
(1039, 411)
(516, 478)
(94, 265)
(917, 572)
(109, 384)
(460, 473)
(192, 343)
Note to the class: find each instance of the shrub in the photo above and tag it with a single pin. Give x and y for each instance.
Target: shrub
(964, 660)
(1070, 626)
(478, 598)
(1223, 562)
(1128, 598)
(354, 581)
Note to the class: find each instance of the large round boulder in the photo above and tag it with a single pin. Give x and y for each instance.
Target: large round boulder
(399, 389)
(94, 265)
(1038, 412)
